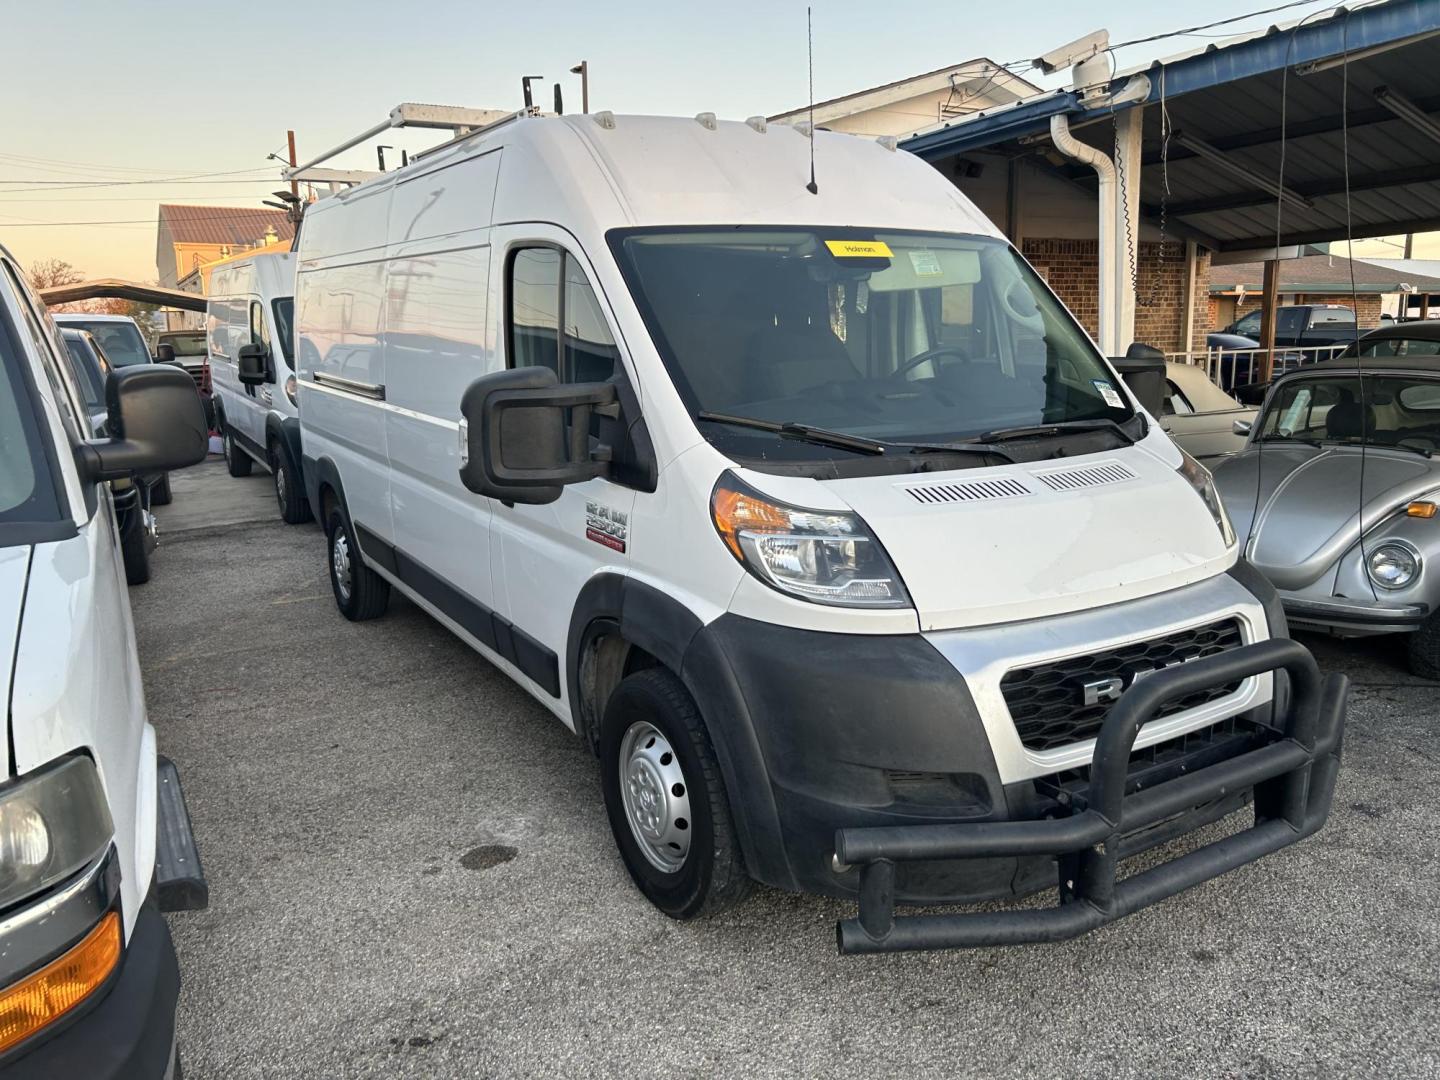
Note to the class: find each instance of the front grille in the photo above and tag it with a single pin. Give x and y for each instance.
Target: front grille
(1047, 701)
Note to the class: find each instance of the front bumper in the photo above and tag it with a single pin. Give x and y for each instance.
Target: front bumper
(1292, 774)
(1349, 616)
(128, 1031)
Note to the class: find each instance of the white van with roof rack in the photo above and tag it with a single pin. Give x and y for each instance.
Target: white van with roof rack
(249, 311)
(813, 513)
(95, 841)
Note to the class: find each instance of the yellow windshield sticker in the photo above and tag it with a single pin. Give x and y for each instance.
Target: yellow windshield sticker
(859, 249)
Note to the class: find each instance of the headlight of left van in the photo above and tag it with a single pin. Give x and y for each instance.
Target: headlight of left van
(53, 822)
(1204, 484)
(824, 556)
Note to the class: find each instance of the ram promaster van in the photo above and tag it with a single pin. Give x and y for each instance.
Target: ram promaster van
(94, 838)
(813, 513)
(250, 311)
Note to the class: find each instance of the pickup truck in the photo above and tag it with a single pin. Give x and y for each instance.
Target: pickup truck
(1300, 325)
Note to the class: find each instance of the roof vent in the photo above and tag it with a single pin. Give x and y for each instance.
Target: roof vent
(706, 120)
(1106, 472)
(758, 123)
(605, 118)
(889, 142)
(1003, 487)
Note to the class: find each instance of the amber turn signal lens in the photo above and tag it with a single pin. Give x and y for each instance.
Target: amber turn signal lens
(735, 511)
(1421, 509)
(44, 996)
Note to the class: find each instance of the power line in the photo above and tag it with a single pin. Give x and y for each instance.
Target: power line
(1217, 22)
(192, 178)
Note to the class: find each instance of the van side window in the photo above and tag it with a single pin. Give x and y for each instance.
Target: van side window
(259, 332)
(556, 320)
(535, 309)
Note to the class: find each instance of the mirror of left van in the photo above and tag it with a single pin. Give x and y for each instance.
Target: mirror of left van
(252, 364)
(156, 423)
(525, 435)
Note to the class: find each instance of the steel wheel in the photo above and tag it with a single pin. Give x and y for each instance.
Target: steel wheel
(656, 797)
(340, 563)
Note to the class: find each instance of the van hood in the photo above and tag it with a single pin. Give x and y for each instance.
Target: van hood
(1025, 541)
(1309, 503)
(14, 566)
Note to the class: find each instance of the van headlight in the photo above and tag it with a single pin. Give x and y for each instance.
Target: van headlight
(1204, 485)
(53, 823)
(824, 556)
(1393, 566)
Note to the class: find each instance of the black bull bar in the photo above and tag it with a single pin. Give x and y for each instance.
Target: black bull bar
(1293, 778)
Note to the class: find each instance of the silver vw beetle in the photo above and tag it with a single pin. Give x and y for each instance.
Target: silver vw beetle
(1335, 496)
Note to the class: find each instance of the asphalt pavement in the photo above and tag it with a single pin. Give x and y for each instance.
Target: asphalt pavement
(411, 875)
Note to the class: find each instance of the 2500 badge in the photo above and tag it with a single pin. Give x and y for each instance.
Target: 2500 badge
(606, 525)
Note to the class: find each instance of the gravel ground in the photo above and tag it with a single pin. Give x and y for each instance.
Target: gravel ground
(411, 875)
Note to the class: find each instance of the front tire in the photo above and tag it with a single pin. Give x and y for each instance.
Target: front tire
(1424, 649)
(236, 460)
(132, 549)
(160, 494)
(666, 799)
(294, 510)
(360, 593)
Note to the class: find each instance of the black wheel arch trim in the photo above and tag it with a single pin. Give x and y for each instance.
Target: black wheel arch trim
(285, 431)
(656, 622)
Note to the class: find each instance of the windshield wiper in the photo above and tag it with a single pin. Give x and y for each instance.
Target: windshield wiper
(1060, 427)
(804, 432)
(857, 443)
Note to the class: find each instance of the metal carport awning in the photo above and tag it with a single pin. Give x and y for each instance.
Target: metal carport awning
(1365, 79)
(115, 288)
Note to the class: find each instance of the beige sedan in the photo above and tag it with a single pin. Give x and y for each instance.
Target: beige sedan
(1200, 416)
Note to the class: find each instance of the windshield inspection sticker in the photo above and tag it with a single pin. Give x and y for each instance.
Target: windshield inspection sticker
(606, 526)
(1109, 393)
(926, 263)
(859, 249)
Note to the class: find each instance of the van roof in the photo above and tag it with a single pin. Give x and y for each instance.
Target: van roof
(85, 316)
(617, 171)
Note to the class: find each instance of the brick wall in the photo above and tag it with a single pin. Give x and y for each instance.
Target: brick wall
(1070, 266)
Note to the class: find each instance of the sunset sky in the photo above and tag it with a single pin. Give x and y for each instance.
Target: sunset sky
(108, 100)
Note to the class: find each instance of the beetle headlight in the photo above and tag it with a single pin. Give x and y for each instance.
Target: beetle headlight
(824, 556)
(1204, 485)
(1393, 566)
(53, 822)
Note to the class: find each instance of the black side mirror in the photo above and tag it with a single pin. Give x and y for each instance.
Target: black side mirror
(165, 353)
(1143, 369)
(525, 436)
(252, 364)
(156, 423)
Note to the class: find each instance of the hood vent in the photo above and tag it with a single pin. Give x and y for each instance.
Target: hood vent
(1107, 472)
(968, 491)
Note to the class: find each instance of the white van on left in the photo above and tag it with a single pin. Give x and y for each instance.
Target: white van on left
(94, 838)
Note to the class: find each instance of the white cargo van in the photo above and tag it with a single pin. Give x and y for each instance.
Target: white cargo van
(814, 514)
(250, 310)
(94, 838)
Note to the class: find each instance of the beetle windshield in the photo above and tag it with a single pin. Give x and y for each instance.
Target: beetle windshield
(1397, 410)
(890, 336)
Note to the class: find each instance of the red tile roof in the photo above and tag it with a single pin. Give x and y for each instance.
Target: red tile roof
(237, 225)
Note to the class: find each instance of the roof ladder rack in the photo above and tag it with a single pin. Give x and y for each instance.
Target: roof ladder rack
(461, 122)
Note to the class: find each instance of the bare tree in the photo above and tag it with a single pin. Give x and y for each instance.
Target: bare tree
(47, 273)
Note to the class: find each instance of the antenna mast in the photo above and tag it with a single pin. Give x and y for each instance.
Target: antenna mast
(811, 187)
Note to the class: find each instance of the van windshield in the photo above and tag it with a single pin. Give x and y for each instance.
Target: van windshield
(890, 336)
(284, 308)
(27, 491)
(119, 338)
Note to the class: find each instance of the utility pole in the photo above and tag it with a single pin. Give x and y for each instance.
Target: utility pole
(294, 184)
(583, 70)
